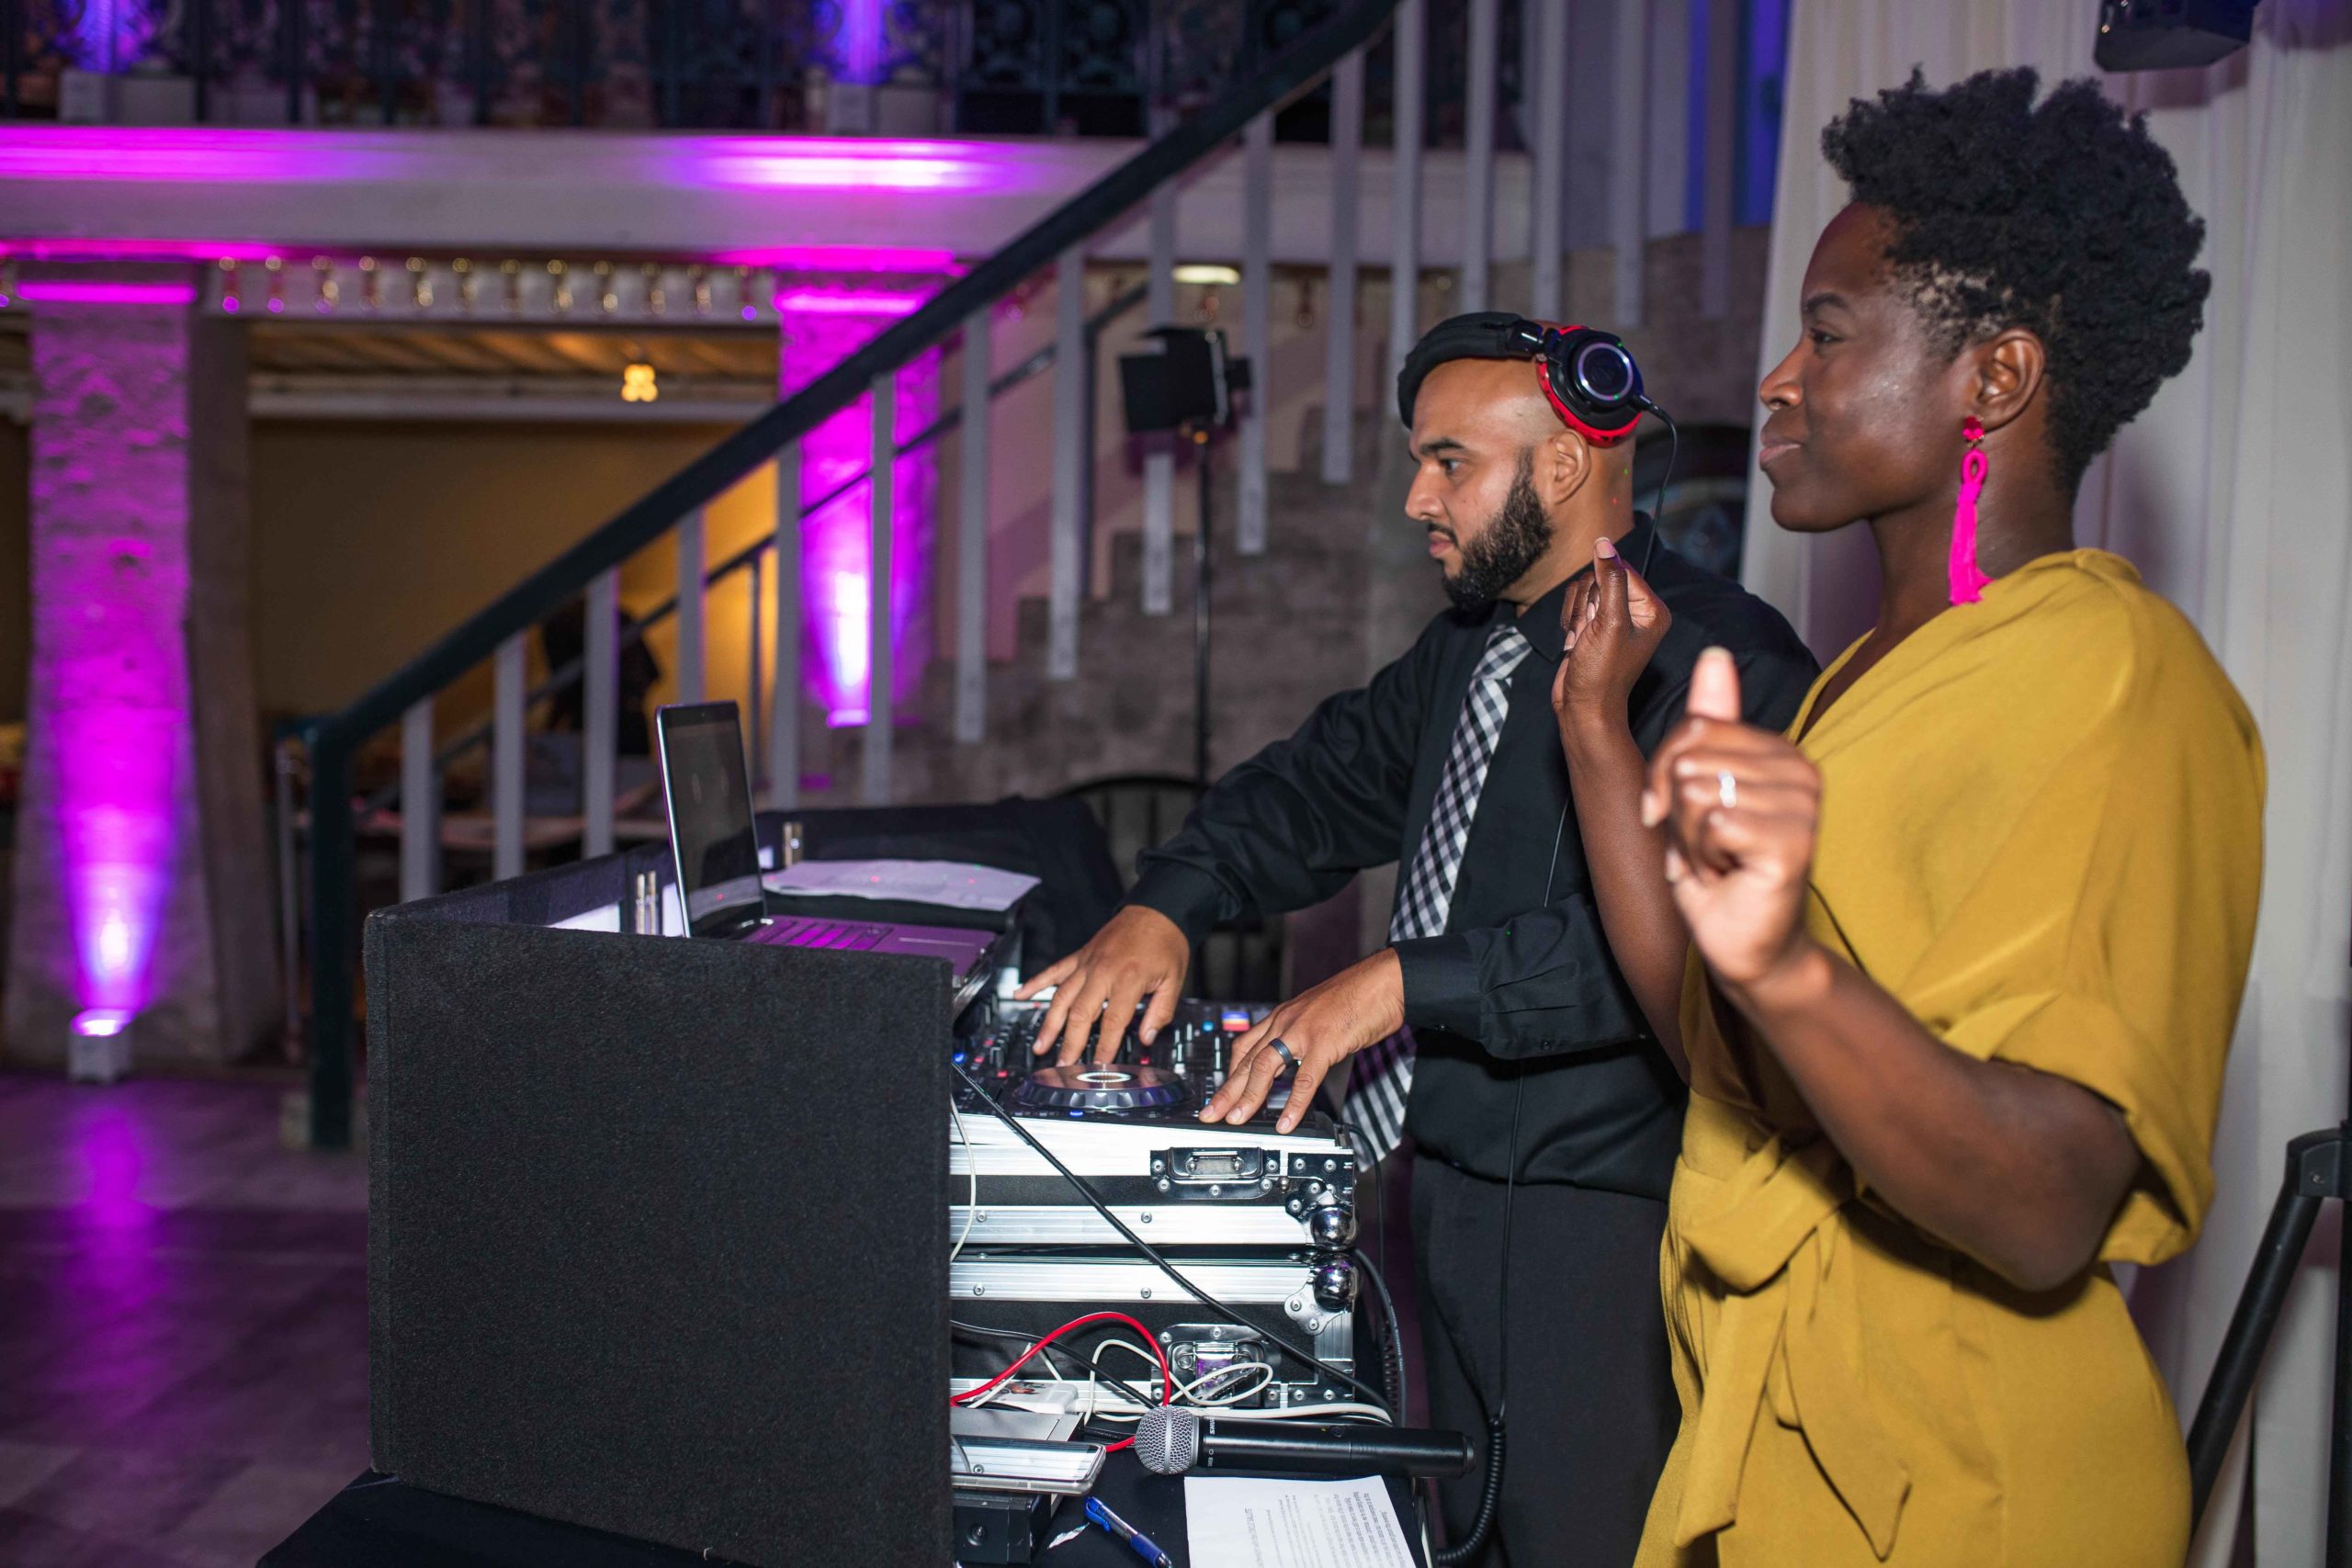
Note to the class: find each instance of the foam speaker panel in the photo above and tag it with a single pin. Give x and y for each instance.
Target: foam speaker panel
(657, 1236)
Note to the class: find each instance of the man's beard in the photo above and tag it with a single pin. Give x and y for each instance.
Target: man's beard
(1509, 547)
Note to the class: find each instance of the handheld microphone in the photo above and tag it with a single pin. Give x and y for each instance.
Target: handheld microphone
(1172, 1440)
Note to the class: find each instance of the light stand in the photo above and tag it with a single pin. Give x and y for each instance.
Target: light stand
(1200, 436)
(2319, 1166)
(1186, 384)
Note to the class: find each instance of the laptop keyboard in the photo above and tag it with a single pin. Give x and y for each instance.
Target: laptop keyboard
(839, 935)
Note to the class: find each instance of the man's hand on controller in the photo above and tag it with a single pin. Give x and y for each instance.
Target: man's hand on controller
(1322, 1026)
(1139, 954)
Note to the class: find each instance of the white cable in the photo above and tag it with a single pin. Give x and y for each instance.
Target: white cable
(972, 1174)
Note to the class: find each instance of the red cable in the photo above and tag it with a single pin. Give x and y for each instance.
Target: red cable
(1166, 1378)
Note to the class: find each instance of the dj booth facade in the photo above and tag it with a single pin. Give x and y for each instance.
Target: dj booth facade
(657, 1241)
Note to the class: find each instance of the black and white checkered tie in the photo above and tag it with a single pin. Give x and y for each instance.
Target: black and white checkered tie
(1384, 1070)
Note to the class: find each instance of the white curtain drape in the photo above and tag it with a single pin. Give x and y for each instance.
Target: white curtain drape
(2233, 495)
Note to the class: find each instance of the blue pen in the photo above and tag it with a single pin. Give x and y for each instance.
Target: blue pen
(1128, 1533)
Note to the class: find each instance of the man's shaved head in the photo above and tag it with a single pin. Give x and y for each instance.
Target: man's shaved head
(1497, 474)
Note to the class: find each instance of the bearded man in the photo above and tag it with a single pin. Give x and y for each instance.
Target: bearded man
(1496, 1035)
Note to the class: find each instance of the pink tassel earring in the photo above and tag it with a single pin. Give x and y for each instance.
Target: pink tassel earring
(1967, 581)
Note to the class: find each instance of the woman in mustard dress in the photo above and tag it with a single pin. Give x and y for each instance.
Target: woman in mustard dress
(1967, 945)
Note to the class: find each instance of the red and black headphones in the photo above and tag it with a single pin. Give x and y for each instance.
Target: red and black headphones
(1587, 375)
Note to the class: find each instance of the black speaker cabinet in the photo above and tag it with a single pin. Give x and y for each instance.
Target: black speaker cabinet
(657, 1236)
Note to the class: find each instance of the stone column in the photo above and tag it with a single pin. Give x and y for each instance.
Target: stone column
(141, 869)
(823, 320)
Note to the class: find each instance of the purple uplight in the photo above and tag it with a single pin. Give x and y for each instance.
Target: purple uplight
(109, 688)
(792, 163)
(137, 250)
(64, 291)
(100, 1023)
(857, 42)
(840, 258)
(832, 302)
(113, 1156)
(820, 326)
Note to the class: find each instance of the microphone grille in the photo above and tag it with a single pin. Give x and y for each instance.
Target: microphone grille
(1168, 1440)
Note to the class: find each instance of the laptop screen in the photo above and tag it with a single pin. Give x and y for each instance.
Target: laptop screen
(709, 793)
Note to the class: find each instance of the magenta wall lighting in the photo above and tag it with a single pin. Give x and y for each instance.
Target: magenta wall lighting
(821, 324)
(110, 694)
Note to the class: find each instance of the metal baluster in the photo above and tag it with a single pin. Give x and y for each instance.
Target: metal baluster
(1071, 456)
(506, 760)
(1339, 337)
(1630, 179)
(767, 66)
(688, 677)
(484, 76)
(290, 36)
(665, 53)
(199, 56)
(1723, 148)
(601, 708)
(880, 490)
(383, 42)
(1405, 196)
(1159, 460)
(420, 806)
(1257, 325)
(783, 689)
(972, 535)
(1479, 152)
(290, 899)
(1551, 146)
(579, 20)
(331, 945)
(754, 710)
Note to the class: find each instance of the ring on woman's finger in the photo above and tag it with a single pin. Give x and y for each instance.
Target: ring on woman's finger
(1726, 789)
(1289, 1057)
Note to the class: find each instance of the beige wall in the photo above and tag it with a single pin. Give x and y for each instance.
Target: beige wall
(369, 540)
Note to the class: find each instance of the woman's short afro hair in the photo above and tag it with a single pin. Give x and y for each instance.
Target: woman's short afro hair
(2063, 217)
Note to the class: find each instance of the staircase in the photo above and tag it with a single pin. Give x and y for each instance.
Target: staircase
(1130, 708)
(1140, 652)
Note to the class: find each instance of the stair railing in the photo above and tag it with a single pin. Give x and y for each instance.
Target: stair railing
(750, 559)
(499, 631)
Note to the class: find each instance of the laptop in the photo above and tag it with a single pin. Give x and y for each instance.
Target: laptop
(707, 791)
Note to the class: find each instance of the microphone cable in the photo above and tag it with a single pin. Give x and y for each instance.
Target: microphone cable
(1657, 508)
(1095, 1201)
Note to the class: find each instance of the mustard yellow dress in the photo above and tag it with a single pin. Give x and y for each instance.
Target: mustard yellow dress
(2042, 831)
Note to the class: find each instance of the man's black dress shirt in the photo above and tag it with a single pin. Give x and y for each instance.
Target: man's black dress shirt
(1521, 984)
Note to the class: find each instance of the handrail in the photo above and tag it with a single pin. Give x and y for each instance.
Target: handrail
(567, 673)
(703, 481)
(334, 739)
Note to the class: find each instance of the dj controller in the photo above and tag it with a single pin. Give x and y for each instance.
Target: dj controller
(1259, 1219)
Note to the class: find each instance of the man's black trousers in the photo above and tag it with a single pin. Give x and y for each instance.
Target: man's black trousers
(1592, 1409)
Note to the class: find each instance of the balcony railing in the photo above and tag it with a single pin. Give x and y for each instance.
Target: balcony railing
(1111, 67)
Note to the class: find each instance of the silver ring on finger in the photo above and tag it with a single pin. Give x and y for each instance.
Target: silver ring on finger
(1726, 789)
(1282, 1049)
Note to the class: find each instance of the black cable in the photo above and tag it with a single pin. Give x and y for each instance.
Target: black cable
(1392, 1359)
(1095, 1201)
(1077, 1361)
(1657, 511)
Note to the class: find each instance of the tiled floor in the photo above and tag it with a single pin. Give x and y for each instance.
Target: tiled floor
(182, 1324)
